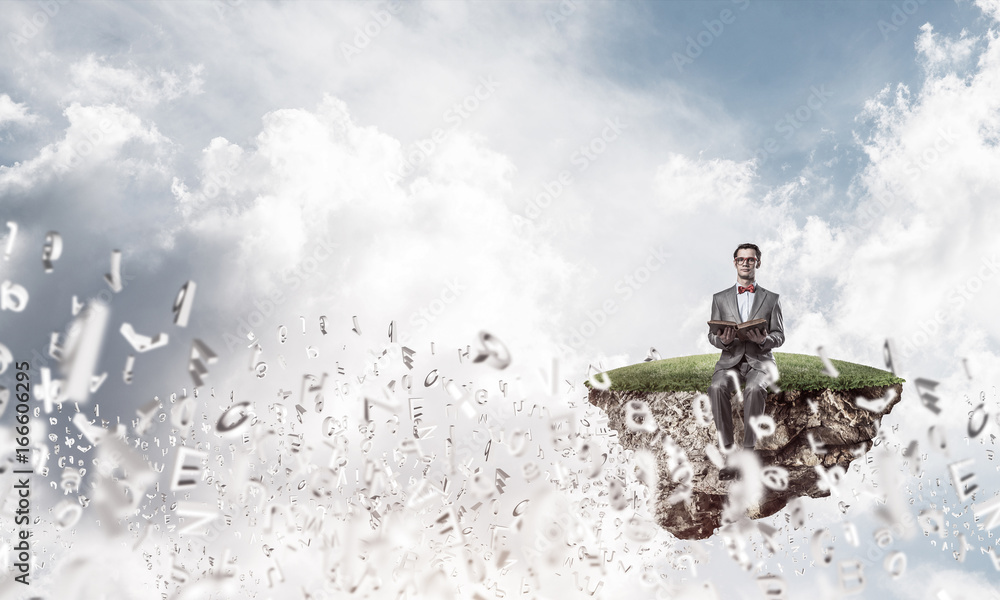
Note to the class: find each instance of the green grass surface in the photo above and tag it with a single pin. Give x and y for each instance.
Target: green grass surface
(694, 373)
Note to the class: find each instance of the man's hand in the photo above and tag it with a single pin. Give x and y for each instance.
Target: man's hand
(728, 335)
(756, 336)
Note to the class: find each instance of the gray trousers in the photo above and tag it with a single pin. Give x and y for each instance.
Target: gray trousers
(754, 395)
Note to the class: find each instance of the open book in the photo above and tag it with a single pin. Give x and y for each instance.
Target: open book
(716, 327)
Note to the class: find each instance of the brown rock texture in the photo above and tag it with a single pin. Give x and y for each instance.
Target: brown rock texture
(836, 424)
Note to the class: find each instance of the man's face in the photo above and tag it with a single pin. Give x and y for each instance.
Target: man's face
(746, 264)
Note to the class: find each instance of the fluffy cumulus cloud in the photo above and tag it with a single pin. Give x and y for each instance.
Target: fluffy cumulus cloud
(96, 137)
(14, 112)
(691, 185)
(438, 247)
(94, 81)
(923, 219)
(939, 54)
(933, 583)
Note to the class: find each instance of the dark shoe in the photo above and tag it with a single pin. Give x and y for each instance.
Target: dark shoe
(728, 473)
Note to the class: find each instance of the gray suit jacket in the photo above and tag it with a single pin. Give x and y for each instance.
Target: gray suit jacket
(765, 306)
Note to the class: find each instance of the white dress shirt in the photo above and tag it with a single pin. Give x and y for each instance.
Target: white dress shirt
(744, 302)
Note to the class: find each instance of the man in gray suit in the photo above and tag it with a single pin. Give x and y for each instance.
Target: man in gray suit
(744, 301)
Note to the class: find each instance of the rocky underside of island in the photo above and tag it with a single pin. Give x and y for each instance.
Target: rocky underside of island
(825, 428)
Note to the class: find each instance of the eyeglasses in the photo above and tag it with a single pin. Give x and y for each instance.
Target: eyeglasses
(745, 261)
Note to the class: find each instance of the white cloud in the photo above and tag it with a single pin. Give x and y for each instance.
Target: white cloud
(721, 185)
(931, 582)
(94, 81)
(96, 136)
(990, 7)
(922, 227)
(14, 112)
(319, 175)
(938, 53)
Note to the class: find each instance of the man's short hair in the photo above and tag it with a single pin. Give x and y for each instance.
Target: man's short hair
(746, 246)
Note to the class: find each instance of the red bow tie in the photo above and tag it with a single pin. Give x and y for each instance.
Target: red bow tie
(740, 289)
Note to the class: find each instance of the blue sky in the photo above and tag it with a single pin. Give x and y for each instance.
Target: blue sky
(543, 171)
